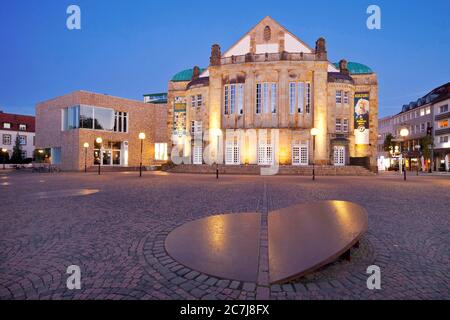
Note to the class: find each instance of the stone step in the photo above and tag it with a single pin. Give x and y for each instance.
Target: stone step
(283, 170)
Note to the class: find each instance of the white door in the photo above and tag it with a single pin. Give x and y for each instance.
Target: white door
(233, 153)
(339, 156)
(197, 155)
(265, 154)
(300, 155)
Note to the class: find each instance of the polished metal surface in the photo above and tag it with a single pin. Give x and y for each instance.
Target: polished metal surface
(225, 246)
(306, 237)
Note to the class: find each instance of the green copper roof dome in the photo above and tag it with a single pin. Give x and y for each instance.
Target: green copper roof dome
(185, 75)
(356, 68)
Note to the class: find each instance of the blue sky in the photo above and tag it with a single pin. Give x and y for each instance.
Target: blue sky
(128, 48)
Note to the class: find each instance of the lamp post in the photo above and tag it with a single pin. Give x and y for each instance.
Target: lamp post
(142, 138)
(218, 134)
(4, 151)
(99, 141)
(418, 157)
(314, 133)
(85, 146)
(403, 133)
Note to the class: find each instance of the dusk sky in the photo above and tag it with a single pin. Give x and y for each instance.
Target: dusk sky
(128, 48)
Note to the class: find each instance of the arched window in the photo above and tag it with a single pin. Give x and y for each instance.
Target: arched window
(267, 33)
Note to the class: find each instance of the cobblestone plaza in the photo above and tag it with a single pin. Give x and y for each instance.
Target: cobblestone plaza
(115, 231)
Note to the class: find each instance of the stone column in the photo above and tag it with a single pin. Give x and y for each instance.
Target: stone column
(319, 89)
(215, 107)
(283, 94)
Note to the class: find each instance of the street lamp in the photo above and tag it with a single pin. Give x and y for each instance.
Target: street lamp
(314, 132)
(403, 133)
(99, 141)
(142, 138)
(418, 157)
(4, 151)
(86, 146)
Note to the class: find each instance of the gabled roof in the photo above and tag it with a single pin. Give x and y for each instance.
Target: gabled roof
(265, 21)
(15, 120)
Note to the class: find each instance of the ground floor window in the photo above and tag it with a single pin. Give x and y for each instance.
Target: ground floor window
(161, 151)
(300, 156)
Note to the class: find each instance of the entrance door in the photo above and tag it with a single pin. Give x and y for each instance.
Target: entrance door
(300, 154)
(265, 154)
(339, 156)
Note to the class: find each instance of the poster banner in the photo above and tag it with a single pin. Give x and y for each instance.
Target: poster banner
(362, 111)
(179, 121)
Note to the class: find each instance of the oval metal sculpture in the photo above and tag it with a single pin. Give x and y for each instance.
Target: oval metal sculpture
(306, 237)
(302, 238)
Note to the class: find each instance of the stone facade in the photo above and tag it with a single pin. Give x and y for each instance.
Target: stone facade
(142, 117)
(266, 64)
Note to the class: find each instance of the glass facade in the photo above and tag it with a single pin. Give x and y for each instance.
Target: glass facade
(94, 118)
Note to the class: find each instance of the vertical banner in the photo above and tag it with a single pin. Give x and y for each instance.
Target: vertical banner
(362, 111)
(179, 121)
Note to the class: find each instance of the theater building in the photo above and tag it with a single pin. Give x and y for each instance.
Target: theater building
(68, 127)
(257, 102)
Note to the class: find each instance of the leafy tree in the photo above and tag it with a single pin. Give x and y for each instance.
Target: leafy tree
(425, 146)
(17, 155)
(388, 143)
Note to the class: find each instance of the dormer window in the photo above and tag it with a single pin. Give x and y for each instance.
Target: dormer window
(22, 127)
(6, 125)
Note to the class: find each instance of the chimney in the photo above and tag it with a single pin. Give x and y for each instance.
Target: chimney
(196, 73)
(216, 56)
(321, 50)
(343, 67)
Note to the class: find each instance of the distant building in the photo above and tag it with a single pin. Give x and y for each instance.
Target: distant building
(13, 126)
(385, 128)
(66, 123)
(428, 116)
(156, 98)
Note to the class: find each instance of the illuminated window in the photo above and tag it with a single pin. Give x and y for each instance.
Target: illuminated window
(22, 127)
(161, 151)
(6, 125)
(443, 124)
